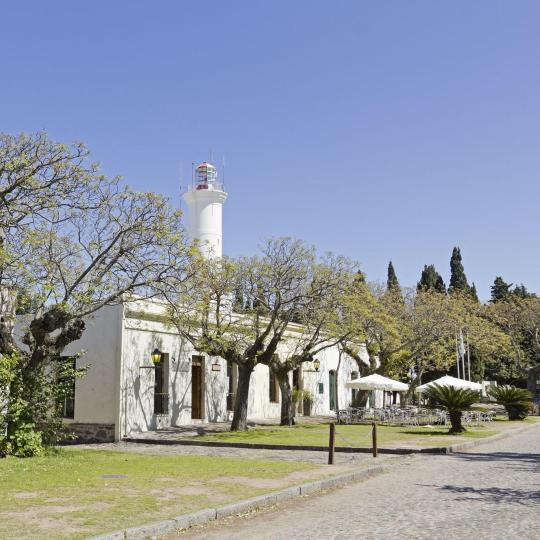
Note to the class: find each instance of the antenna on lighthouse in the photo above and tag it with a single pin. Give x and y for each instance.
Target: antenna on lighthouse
(180, 180)
(223, 170)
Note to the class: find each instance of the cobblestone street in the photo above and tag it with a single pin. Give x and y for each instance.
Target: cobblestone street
(490, 492)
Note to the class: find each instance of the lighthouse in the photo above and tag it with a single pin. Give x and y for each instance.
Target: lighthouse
(205, 200)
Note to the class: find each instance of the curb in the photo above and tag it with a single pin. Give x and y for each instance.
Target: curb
(201, 517)
(263, 446)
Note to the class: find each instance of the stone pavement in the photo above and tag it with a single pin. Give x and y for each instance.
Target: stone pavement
(318, 458)
(491, 492)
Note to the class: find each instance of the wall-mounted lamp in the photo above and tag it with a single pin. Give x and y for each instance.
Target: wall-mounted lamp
(316, 366)
(156, 356)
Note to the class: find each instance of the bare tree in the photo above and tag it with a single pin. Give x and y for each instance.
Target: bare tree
(318, 325)
(74, 242)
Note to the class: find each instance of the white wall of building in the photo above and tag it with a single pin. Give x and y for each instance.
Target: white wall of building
(96, 393)
(137, 389)
(119, 386)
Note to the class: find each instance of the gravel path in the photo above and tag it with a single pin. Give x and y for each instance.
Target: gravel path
(490, 492)
(317, 458)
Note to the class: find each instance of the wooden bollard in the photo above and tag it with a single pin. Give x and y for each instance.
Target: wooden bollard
(374, 438)
(331, 444)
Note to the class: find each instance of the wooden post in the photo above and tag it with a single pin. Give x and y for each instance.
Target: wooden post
(331, 444)
(374, 438)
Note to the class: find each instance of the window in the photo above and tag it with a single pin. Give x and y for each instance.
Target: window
(321, 388)
(332, 381)
(66, 380)
(161, 385)
(273, 387)
(354, 375)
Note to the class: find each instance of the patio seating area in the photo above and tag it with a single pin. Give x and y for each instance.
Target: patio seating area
(410, 416)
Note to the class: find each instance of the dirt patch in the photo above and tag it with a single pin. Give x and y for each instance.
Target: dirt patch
(299, 476)
(296, 477)
(47, 524)
(25, 494)
(173, 493)
(258, 483)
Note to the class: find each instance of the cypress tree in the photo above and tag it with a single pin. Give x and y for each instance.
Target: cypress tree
(474, 293)
(522, 292)
(431, 280)
(458, 279)
(392, 283)
(360, 277)
(500, 289)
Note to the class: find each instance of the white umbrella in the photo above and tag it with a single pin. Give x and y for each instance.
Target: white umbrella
(451, 381)
(377, 382)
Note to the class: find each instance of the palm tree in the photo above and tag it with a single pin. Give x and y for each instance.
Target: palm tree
(455, 401)
(516, 401)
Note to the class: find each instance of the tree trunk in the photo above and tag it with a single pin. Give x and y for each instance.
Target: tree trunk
(455, 420)
(287, 405)
(239, 421)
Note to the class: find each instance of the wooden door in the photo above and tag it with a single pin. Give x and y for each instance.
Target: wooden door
(196, 389)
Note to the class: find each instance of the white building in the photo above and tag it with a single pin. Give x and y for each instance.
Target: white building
(125, 392)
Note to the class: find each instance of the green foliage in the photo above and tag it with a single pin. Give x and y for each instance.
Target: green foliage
(500, 289)
(24, 441)
(474, 293)
(521, 292)
(452, 399)
(7, 375)
(519, 319)
(458, 279)
(296, 395)
(33, 414)
(431, 280)
(392, 283)
(516, 401)
(455, 400)
(307, 396)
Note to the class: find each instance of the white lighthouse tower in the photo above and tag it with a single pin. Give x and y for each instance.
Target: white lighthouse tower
(205, 202)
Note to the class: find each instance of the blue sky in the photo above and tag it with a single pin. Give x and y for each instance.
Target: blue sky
(379, 130)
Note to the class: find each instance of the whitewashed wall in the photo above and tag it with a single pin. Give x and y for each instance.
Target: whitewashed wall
(140, 338)
(119, 389)
(96, 393)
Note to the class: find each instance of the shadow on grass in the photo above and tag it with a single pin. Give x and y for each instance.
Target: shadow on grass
(444, 433)
(438, 432)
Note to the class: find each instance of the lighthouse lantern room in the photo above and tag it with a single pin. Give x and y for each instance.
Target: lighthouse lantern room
(205, 200)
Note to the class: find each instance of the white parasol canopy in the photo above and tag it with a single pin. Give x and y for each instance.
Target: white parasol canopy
(451, 381)
(377, 382)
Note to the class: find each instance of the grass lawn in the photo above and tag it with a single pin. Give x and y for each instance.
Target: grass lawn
(79, 493)
(351, 435)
